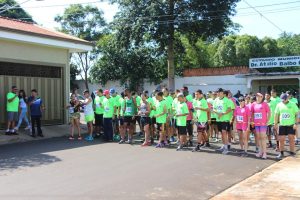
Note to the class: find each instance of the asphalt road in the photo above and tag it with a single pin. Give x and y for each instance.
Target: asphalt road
(61, 169)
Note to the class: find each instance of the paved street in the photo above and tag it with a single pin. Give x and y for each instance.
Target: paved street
(59, 169)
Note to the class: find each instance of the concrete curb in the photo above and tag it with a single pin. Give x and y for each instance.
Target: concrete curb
(268, 183)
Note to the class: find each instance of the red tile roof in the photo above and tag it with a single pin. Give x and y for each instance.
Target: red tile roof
(28, 28)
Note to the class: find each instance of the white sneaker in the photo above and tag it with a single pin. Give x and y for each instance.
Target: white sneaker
(222, 148)
(225, 152)
(16, 128)
(27, 128)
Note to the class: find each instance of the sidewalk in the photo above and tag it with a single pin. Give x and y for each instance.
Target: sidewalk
(279, 181)
(48, 131)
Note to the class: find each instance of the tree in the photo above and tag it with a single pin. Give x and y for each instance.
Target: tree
(155, 22)
(10, 9)
(86, 23)
(289, 44)
(130, 66)
(226, 53)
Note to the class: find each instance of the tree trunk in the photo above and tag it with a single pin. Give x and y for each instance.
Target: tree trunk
(86, 71)
(171, 66)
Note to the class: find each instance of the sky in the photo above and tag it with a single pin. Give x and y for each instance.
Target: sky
(258, 17)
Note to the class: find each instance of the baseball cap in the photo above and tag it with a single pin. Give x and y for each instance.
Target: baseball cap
(185, 88)
(112, 91)
(106, 92)
(180, 95)
(284, 96)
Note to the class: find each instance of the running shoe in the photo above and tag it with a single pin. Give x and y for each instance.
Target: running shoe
(7, 132)
(220, 149)
(16, 128)
(27, 128)
(129, 141)
(79, 138)
(244, 154)
(264, 156)
(159, 145)
(196, 148)
(146, 144)
(207, 144)
(279, 156)
(293, 154)
(225, 152)
(152, 140)
(179, 148)
(71, 138)
(190, 143)
(89, 138)
(258, 155)
(121, 141)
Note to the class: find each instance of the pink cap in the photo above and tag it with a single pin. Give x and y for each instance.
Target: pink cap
(106, 92)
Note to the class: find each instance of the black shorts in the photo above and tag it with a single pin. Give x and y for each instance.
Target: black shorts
(270, 130)
(223, 126)
(201, 127)
(161, 127)
(128, 120)
(286, 130)
(99, 119)
(213, 121)
(121, 121)
(144, 121)
(181, 130)
(138, 119)
(153, 120)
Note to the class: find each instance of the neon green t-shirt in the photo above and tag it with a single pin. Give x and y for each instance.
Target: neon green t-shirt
(151, 103)
(129, 107)
(272, 104)
(232, 106)
(287, 113)
(181, 108)
(276, 99)
(221, 106)
(160, 105)
(108, 105)
(174, 105)
(294, 100)
(169, 101)
(200, 114)
(14, 105)
(211, 102)
(99, 109)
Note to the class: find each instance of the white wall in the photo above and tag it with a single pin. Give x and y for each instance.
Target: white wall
(205, 83)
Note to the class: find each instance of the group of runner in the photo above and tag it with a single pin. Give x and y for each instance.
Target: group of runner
(165, 116)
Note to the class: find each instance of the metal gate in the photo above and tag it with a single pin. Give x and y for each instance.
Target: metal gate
(46, 79)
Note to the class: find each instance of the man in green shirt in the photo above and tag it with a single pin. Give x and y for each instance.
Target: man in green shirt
(99, 111)
(161, 119)
(185, 91)
(169, 101)
(116, 99)
(108, 116)
(274, 96)
(213, 123)
(202, 116)
(286, 116)
(222, 108)
(272, 104)
(129, 112)
(12, 106)
(181, 114)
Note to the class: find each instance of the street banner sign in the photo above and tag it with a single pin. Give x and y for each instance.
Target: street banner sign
(287, 61)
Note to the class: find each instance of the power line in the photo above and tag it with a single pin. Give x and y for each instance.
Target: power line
(264, 16)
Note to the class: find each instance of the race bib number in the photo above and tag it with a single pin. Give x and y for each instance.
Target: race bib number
(239, 118)
(128, 110)
(71, 110)
(219, 108)
(257, 115)
(285, 116)
(107, 109)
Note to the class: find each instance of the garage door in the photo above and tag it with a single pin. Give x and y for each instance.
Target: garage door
(46, 79)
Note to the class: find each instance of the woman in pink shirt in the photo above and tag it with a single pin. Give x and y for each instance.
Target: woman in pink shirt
(260, 116)
(242, 117)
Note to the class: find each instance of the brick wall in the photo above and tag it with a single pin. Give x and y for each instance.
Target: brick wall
(216, 71)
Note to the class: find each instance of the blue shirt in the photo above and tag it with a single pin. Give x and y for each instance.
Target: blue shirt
(35, 107)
